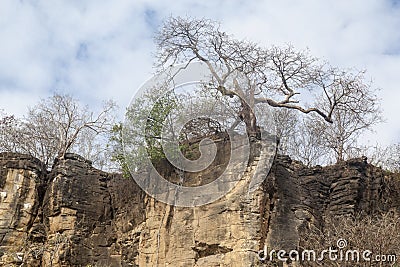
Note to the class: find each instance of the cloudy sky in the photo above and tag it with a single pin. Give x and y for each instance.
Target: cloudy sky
(98, 50)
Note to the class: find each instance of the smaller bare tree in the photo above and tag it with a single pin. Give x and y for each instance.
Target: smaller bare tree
(307, 145)
(300, 138)
(386, 157)
(392, 158)
(7, 123)
(55, 126)
(349, 123)
(286, 122)
(319, 142)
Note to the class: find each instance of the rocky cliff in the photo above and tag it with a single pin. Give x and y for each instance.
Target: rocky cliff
(75, 215)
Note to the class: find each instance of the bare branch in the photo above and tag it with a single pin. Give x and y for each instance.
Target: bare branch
(281, 77)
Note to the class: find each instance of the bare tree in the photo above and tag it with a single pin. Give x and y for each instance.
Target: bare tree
(300, 138)
(287, 78)
(7, 123)
(55, 126)
(286, 123)
(342, 135)
(392, 158)
(5, 119)
(386, 157)
(307, 145)
(315, 142)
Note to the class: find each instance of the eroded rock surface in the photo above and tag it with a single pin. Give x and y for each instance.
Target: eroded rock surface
(22, 184)
(76, 215)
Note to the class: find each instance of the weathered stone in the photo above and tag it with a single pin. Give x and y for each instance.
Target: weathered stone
(22, 179)
(76, 215)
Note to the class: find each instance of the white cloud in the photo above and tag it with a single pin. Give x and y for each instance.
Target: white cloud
(102, 49)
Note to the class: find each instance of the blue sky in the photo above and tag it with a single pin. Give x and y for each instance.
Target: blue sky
(97, 50)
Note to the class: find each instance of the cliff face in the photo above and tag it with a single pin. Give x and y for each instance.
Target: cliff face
(76, 215)
(22, 183)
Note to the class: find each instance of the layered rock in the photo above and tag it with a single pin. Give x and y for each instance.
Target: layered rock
(22, 181)
(76, 215)
(303, 197)
(72, 216)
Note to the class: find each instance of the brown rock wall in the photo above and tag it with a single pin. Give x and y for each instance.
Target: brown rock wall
(76, 215)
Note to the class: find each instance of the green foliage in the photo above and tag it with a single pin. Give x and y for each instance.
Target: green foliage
(155, 111)
(117, 149)
(157, 119)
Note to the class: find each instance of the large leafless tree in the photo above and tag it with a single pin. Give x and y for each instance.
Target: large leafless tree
(281, 77)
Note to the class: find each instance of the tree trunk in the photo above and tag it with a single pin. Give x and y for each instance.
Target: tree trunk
(249, 118)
